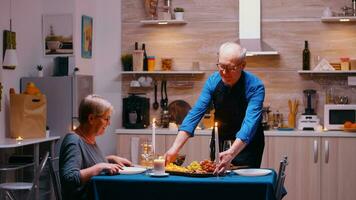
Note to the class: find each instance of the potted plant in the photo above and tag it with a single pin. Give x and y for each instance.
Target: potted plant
(126, 61)
(178, 13)
(40, 70)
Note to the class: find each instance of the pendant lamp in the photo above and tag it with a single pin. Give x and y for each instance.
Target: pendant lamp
(10, 58)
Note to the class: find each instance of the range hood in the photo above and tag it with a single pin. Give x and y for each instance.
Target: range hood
(250, 29)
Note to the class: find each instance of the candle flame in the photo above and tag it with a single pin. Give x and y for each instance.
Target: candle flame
(19, 138)
(216, 124)
(154, 120)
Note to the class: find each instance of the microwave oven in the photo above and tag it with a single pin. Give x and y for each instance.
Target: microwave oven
(335, 115)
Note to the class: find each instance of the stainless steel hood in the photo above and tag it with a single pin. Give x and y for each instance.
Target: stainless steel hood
(250, 29)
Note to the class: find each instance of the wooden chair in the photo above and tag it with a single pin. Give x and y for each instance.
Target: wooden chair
(9, 188)
(280, 190)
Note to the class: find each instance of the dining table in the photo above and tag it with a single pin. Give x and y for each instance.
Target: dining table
(144, 186)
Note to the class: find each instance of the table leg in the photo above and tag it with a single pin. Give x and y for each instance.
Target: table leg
(36, 155)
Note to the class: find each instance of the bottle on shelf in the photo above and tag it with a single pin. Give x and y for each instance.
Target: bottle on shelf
(137, 58)
(306, 56)
(136, 45)
(145, 59)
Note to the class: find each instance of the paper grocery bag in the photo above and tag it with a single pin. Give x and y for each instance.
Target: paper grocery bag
(28, 115)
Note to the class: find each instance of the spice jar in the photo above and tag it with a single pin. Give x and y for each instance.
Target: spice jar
(345, 64)
(151, 63)
(167, 64)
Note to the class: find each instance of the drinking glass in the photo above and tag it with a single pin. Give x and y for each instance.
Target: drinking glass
(226, 145)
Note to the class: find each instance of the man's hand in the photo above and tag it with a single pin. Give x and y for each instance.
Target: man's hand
(225, 159)
(171, 155)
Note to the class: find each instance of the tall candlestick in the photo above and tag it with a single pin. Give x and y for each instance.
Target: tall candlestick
(217, 149)
(154, 136)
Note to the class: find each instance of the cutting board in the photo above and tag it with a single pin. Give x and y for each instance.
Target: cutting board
(178, 109)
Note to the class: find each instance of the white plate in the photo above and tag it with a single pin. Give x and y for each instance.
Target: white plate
(132, 170)
(252, 172)
(158, 175)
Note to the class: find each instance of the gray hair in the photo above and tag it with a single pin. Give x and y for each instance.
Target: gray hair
(93, 104)
(234, 47)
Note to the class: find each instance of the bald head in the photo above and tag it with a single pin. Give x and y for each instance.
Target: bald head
(232, 51)
(231, 62)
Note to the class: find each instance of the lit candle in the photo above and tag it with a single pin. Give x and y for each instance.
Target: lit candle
(216, 143)
(154, 135)
(19, 138)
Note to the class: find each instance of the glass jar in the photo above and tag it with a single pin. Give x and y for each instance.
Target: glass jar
(146, 157)
(165, 117)
(167, 64)
(345, 64)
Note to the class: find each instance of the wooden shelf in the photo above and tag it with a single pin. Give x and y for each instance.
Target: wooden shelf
(339, 19)
(162, 22)
(327, 72)
(163, 72)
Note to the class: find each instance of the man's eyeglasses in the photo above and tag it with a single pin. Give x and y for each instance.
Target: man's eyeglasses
(228, 68)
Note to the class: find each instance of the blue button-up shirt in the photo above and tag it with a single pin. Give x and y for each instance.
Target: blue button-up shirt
(254, 93)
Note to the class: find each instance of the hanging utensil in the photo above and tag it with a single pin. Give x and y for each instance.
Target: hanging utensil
(155, 104)
(162, 100)
(165, 93)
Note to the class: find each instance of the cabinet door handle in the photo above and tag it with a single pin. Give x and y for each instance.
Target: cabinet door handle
(326, 151)
(315, 151)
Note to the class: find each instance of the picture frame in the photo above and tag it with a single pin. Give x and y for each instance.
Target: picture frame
(87, 36)
(57, 35)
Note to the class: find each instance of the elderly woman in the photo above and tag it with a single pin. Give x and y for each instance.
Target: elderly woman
(80, 157)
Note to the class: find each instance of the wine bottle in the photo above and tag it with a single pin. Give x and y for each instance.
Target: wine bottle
(136, 45)
(145, 59)
(306, 56)
(212, 145)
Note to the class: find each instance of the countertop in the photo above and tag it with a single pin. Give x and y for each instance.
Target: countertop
(294, 133)
(11, 142)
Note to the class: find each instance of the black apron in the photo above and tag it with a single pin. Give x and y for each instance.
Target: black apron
(230, 108)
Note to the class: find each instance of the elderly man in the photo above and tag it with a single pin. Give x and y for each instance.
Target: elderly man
(237, 96)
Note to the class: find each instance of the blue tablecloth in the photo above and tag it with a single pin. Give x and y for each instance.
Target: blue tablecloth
(142, 186)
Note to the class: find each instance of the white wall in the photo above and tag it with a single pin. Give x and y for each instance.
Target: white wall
(26, 18)
(104, 64)
(107, 41)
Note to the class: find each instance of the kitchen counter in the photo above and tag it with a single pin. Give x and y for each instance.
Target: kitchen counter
(294, 133)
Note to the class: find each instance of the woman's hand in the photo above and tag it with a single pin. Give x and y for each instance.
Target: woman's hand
(122, 162)
(87, 173)
(109, 168)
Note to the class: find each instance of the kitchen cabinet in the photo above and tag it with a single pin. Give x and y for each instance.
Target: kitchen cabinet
(124, 144)
(303, 171)
(195, 149)
(338, 168)
(320, 168)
